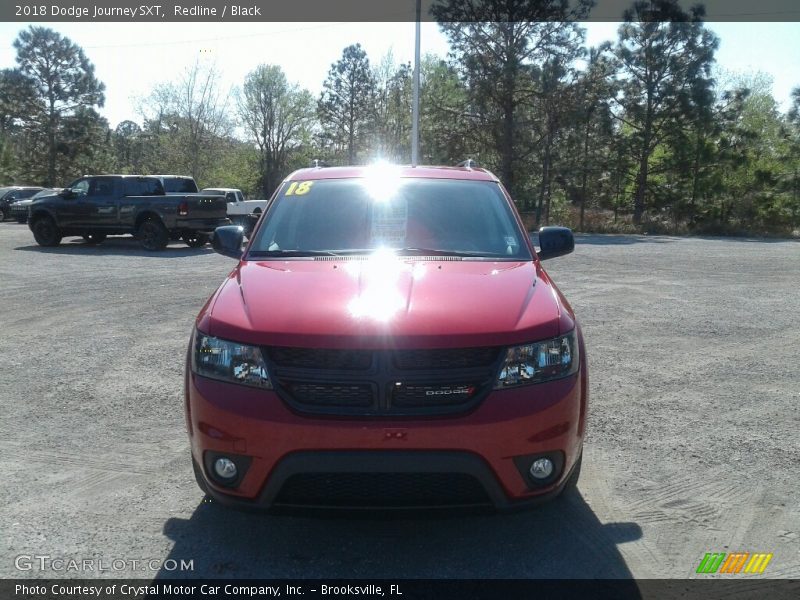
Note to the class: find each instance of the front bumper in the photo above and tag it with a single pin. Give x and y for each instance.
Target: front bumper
(18, 212)
(490, 443)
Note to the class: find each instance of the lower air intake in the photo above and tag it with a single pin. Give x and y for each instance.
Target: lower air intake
(382, 490)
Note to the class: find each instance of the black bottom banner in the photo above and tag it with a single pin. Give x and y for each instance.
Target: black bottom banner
(400, 589)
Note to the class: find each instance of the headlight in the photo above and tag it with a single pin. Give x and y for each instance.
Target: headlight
(538, 362)
(229, 361)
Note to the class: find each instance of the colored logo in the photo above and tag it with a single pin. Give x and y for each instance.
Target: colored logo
(734, 563)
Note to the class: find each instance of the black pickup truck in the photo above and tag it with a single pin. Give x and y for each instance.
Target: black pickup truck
(96, 206)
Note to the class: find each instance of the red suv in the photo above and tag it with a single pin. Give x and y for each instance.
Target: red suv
(388, 339)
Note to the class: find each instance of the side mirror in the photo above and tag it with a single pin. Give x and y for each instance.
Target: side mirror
(67, 193)
(555, 241)
(228, 240)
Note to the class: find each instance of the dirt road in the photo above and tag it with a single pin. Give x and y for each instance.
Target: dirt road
(693, 446)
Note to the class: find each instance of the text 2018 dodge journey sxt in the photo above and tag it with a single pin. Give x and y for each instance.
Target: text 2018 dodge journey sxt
(388, 339)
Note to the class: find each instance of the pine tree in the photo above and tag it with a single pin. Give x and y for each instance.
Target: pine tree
(500, 49)
(665, 54)
(67, 93)
(346, 107)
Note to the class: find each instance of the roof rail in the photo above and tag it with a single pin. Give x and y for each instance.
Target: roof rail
(467, 164)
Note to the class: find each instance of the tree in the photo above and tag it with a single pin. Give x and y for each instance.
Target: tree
(443, 130)
(554, 104)
(499, 49)
(589, 144)
(793, 154)
(186, 123)
(794, 110)
(66, 93)
(758, 170)
(664, 54)
(128, 147)
(238, 166)
(393, 97)
(277, 117)
(16, 104)
(17, 100)
(346, 105)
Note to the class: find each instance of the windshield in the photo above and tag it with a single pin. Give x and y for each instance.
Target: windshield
(410, 216)
(26, 193)
(47, 192)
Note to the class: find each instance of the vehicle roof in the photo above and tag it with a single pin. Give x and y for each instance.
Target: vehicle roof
(172, 176)
(121, 175)
(8, 188)
(420, 172)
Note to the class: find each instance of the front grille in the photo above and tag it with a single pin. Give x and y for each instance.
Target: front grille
(431, 395)
(332, 395)
(314, 358)
(448, 358)
(382, 382)
(375, 490)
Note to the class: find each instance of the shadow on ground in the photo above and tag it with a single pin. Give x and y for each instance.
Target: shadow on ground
(121, 246)
(562, 539)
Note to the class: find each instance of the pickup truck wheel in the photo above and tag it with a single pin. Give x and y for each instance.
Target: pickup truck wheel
(45, 232)
(153, 235)
(3, 214)
(195, 239)
(94, 238)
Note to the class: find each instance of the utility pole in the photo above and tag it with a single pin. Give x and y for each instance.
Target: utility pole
(415, 97)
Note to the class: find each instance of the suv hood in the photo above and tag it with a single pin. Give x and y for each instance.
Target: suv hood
(385, 302)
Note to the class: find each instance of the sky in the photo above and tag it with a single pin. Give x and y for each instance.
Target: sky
(130, 58)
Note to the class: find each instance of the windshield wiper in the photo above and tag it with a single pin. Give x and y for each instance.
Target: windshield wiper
(369, 251)
(438, 252)
(292, 253)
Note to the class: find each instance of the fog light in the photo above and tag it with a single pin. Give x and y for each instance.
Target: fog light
(225, 468)
(541, 468)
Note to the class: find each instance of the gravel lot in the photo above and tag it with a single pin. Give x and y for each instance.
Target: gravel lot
(693, 447)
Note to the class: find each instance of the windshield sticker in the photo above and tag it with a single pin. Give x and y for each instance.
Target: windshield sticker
(299, 188)
(389, 223)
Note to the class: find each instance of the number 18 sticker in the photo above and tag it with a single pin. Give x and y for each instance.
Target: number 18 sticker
(299, 188)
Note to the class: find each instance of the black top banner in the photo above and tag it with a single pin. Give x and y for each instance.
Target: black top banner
(372, 10)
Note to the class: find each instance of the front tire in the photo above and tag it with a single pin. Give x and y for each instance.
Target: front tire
(94, 238)
(196, 239)
(46, 233)
(153, 235)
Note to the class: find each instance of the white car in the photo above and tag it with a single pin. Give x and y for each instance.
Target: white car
(239, 209)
